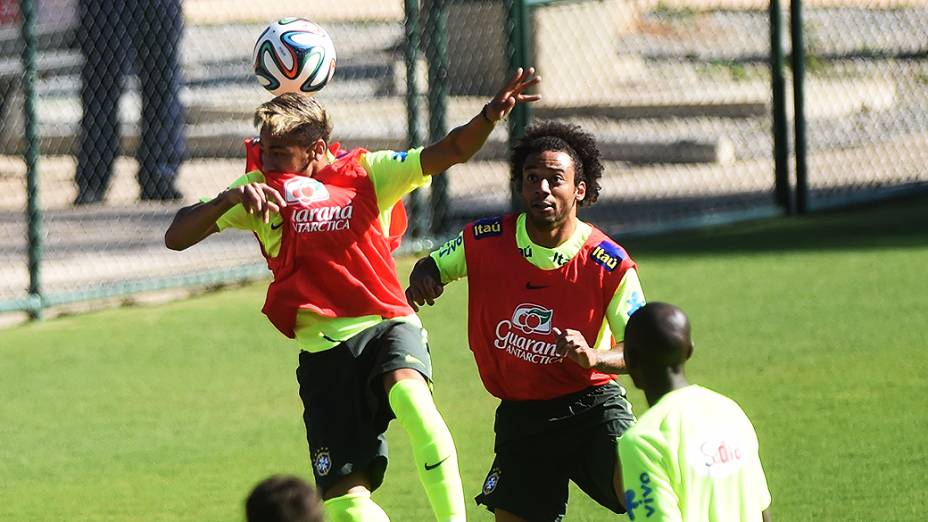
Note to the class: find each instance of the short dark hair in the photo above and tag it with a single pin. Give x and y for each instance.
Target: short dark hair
(658, 335)
(284, 498)
(557, 136)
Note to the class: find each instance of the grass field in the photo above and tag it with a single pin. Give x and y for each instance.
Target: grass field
(816, 326)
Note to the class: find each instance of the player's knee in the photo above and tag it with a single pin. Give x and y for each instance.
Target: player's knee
(392, 377)
(354, 507)
(357, 483)
(505, 516)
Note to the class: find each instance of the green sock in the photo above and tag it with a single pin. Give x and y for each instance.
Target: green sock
(436, 459)
(354, 507)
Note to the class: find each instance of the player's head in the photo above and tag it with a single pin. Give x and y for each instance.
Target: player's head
(283, 498)
(556, 168)
(294, 131)
(657, 343)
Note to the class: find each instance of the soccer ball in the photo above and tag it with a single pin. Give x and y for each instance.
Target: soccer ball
(294, 55)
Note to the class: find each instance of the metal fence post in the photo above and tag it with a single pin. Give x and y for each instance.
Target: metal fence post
(519, 56)
(437, 56)
(797, 59)
(782, 192)
(33, 212)
(417, 223)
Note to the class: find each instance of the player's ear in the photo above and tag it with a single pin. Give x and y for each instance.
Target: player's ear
(319, 149)
(581, 191)
(689, 351)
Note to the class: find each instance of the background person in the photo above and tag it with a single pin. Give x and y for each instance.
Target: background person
(284, 498)
(113, 37)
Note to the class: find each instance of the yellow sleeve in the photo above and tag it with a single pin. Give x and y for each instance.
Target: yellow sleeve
(628, 297)
(394, 174)
(269, 234)
(452, 265)
(756, 473)
(236, 217)
(648, 491)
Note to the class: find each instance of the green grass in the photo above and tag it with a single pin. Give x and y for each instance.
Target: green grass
(816, 326)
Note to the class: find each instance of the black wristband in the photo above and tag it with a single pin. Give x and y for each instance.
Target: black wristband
(483, 112)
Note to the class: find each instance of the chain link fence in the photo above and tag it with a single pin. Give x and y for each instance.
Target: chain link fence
(677, 96)
(142, 106)
(867, 99)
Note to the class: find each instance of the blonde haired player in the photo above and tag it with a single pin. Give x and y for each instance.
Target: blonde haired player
(322, 217)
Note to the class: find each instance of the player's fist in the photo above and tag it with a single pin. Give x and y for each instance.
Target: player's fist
(258, 198)
(424, 284)
(572, 345)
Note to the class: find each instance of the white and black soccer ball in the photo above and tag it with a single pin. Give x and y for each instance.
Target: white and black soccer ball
(294, 55)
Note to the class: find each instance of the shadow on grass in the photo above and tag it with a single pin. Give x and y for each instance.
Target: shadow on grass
(892, 224)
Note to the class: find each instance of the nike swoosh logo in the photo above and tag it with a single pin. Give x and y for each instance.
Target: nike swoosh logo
(530, 286)
(433, 466)
(277, 225)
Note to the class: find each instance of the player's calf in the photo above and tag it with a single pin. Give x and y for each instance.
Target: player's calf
(433, 448)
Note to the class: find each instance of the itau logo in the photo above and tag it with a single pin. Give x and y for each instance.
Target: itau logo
(532, 318)
(304, 191)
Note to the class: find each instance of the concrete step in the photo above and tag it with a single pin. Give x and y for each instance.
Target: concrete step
(225, 141)
(477, 180)
(825, 98)
(220, 115)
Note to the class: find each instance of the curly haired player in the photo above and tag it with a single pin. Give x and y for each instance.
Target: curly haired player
(548, 299)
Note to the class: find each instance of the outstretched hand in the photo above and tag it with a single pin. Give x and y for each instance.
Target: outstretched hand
(512, 93)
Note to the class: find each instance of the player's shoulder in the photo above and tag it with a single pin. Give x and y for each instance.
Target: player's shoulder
(255, 176)
(486, 227)
(372, 159)
(606, 252)
(706, 395)
(724, 404)
(670, 412)
(642, 436)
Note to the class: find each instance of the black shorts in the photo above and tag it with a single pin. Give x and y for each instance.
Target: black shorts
(529, 476)
(345, 408)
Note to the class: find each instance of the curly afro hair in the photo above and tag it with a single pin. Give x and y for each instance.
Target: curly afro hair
(557, 136)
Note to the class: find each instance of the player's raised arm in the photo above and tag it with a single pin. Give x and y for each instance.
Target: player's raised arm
(194, 223)
(424, 283)
(464, 141)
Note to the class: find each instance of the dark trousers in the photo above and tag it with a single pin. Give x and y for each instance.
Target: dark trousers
(114, 35)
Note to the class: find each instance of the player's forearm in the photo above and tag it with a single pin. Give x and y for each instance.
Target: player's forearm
(611, 361)
(467, 139)
(192, 224)
(458, 146)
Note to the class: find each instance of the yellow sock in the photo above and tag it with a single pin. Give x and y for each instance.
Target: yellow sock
(432, 446)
